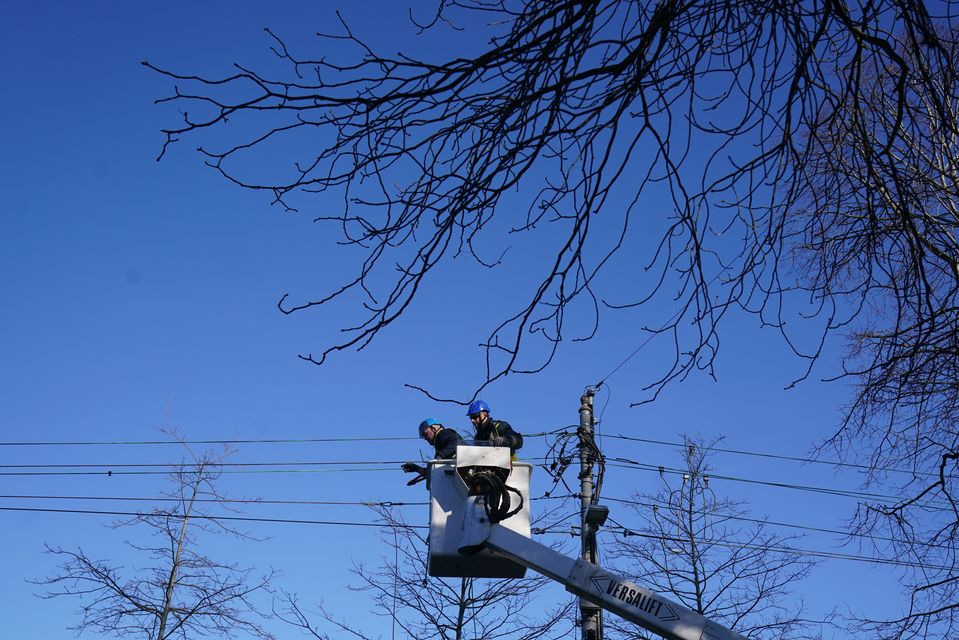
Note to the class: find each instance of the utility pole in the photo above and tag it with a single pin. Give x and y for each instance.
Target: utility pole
(590, 614)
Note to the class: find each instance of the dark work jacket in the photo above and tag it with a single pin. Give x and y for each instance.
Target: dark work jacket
(445, 443)
(499, 428)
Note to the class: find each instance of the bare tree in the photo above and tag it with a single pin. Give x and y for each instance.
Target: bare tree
(424, 607)
(183, 593)
(595, 107)
(696, 549)
(886, 236)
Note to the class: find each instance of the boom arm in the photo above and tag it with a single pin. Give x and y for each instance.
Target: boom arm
(604, 588)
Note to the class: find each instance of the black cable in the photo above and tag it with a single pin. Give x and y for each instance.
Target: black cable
(110, 472)
(776, 456)
(626, 463)
(206, 517)
(555, 472)
(827, 555)
(191, 466)
(188, 466)
(623, 530)
(774, 523)
(230, 518)
(79, 443)
(343, 503)
(652, 334)
(108, 469)
(497, 507)
(382, 503)
(630, 356)
(496, 495)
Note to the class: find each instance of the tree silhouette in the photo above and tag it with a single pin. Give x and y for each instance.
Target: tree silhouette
(420, 606)
(181, 593)
(694, 550)
(891, 241)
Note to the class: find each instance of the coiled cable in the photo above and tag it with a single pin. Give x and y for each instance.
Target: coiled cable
(496, 496)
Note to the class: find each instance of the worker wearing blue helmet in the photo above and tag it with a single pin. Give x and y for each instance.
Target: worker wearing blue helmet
(444, 443)
(444, 440)
(498, 432)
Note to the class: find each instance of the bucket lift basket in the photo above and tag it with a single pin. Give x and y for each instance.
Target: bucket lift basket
(449, 480)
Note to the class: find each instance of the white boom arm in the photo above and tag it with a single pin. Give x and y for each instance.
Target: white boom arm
(604, 588)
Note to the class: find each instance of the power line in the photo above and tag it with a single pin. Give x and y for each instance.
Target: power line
(652, 334)
(826, 555)
(83, 443)
(134, 469)
(362, 503)
(143, 469)
(193, 466)
(110, 472)
(57, 469)
(631, 355)
(743, 452)
(763, 521)
(381, 503)
(862, 495)
(233, 518)
(399, 503)
(778, 456)
(206, 517)
(622, 530)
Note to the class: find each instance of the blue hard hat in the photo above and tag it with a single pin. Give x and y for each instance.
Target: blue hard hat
(429, 422)
(476, 406)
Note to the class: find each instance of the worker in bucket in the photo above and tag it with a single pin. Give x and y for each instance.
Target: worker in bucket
(444, 443)
(498, 432)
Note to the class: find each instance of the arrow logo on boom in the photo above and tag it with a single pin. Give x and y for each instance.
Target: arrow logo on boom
(636, 597)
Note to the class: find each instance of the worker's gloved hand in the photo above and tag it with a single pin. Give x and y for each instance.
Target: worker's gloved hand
(420, 472)
(416, 479)
(499, 441)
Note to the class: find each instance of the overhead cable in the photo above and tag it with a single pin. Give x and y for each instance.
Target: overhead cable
(778, 456)
(82, 443)
(775, 523)
(207, 517)
(826, 555)
(861, 495)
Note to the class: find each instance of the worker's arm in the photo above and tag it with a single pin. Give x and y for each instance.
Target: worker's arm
(420, 472)
(506, 436)
(445, 444)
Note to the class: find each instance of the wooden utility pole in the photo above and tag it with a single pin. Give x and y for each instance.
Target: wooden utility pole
(590, 620)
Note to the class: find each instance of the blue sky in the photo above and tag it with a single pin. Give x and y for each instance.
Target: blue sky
(140, 294)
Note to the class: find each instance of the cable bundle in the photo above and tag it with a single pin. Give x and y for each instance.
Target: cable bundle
(496, 495)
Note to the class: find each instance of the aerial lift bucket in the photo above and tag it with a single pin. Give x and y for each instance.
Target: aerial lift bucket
(449, 482)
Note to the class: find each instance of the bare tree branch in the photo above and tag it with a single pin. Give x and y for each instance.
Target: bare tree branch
(693, 549)
(424, 607)
(182, 593)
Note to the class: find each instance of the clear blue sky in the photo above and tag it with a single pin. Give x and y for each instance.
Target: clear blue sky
(139, 294)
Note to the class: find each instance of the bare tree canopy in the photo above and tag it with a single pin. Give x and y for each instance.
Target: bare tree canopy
(693, 548)
(181, 592)
(721, 105)
(797, 159)
(447, 608)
